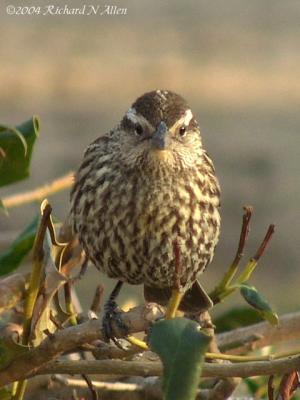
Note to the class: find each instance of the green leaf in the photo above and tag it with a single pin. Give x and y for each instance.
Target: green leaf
(181, 347)
(255, 300)
(12, 257)
(18, 135)
(236, 318)
(16, 150)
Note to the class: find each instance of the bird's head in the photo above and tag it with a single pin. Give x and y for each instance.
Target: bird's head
(160, 128)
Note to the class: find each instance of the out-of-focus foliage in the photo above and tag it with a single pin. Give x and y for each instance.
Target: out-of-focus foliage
(16, 146)
(235, 318)
(11, 257)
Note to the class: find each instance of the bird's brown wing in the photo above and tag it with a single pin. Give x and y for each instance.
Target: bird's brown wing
(195, 300)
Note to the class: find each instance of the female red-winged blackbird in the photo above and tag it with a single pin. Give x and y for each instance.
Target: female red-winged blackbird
(142, 187)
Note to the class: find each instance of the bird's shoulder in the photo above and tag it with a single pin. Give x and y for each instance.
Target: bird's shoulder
(103, 144)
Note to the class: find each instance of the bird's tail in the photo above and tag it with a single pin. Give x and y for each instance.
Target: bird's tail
(195, 299)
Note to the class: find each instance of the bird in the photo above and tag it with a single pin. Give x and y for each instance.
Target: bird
(146, 193)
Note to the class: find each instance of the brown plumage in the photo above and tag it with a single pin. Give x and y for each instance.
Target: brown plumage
(142, 186)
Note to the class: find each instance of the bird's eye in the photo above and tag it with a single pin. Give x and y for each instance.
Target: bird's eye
(182, 131)
(138, 129)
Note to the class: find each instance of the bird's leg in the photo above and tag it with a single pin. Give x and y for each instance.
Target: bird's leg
(173, 303)
(112, 314)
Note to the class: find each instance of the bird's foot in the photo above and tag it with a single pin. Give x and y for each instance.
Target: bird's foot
(111, 322)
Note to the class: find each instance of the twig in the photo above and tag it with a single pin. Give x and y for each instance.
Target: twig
(245, 275)
(98, 296)
(244, 233)
(154, 368)
(91, 387)
(20, 390)
(288, 385)
(271, 388)
(39, 193)
(109, 386)
(239, 254)
(234, 358)
(265, 242)
(230, 273)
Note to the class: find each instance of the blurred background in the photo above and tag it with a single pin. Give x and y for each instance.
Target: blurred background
(237, 63)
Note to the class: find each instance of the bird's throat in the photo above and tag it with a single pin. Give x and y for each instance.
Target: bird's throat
(163, 155)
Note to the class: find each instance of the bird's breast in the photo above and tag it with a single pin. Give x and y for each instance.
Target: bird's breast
(131, 222)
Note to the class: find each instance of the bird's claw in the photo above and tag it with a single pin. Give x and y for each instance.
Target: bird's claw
(112, 316)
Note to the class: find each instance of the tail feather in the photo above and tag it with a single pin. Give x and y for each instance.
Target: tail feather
(195, 300)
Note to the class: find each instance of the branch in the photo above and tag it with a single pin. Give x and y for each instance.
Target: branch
(139, 319)
(154, 368)
(39, 193)
(241, 340)
(260, 335)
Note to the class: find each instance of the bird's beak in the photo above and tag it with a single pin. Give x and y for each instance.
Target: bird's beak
(160, 138)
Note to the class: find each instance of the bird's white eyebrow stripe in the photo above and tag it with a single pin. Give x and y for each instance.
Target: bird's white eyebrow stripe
(184, 120)
(188, 115)
(134, 117)
(131, 114)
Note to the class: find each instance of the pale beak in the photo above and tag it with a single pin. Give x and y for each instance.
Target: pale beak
(160, 138)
